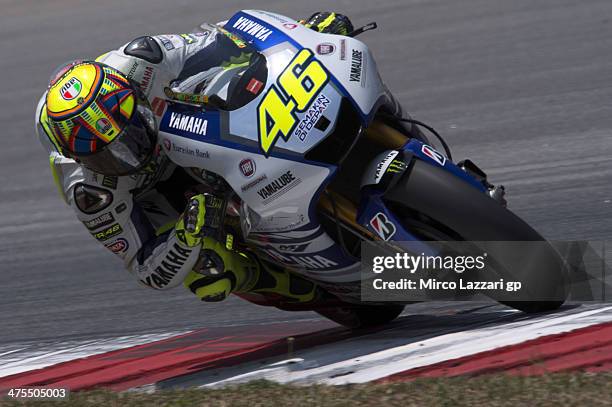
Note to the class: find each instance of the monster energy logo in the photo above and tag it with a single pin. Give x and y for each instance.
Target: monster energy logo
(396, 166)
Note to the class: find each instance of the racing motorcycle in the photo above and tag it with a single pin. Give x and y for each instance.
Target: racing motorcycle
(316, 160)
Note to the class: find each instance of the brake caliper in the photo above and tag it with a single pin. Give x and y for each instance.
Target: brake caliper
(497, 192)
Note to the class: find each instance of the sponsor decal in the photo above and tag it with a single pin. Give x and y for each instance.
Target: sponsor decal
(396, 167)
(309, 262)
(100, 221)
(253, 183)
(90, 199)
(202, 34)
(158, 105)
(239, 42)
(71, 89)
(290, 26)
(343, 50)
(121, 207)
(276, 224)
(166, 43)
(106, 234)
(167, 144)
(118, 246)
(143, 76)
(103, 125)
(110, 181)
(326, 48)
(189, 124)
(382, 166)
(294, 248)
(172, 41)
(190, 151)
(254, 86)
(273, 16)
(252, 28)
(356, 74)
(433, 154)
(247, 167)
(312, 116)
(382, 226)
(187, 38)
(147, 80)
(297, 88)
(193, 98)
(169, 267)
(278, 187)
(132, 70)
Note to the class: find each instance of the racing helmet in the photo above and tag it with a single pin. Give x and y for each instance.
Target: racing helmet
(100, 118)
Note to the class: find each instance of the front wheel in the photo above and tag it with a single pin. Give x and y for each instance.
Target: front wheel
(437, 205)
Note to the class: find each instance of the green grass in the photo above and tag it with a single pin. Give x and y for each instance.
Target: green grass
(576, 389)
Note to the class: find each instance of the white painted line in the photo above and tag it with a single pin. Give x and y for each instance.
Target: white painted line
(329, 364)
(37, 356)
(466, 343)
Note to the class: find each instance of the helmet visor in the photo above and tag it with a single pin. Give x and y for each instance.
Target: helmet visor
(131, 150)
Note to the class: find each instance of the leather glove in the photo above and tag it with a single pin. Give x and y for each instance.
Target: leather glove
(221, 271)
(329, 23)
(203, 216)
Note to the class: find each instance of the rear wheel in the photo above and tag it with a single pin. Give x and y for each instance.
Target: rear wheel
(362, 316)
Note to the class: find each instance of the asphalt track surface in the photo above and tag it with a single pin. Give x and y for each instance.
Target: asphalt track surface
(524, 88)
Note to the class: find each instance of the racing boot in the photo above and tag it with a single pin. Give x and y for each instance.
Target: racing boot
(283, 286)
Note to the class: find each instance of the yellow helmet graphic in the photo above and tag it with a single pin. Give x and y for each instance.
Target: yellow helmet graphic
(100, 118)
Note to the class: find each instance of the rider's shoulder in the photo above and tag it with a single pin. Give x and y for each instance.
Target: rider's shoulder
(171, 43)
(145, 48)
(141, 60)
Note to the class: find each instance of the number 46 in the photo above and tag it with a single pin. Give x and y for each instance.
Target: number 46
(299, 84)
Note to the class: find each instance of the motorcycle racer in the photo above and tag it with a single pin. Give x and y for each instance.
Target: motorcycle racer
(97, 120)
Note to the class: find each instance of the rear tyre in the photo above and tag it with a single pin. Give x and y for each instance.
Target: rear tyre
(359, 316)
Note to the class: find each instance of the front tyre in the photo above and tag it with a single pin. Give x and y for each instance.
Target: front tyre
(440, 206)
